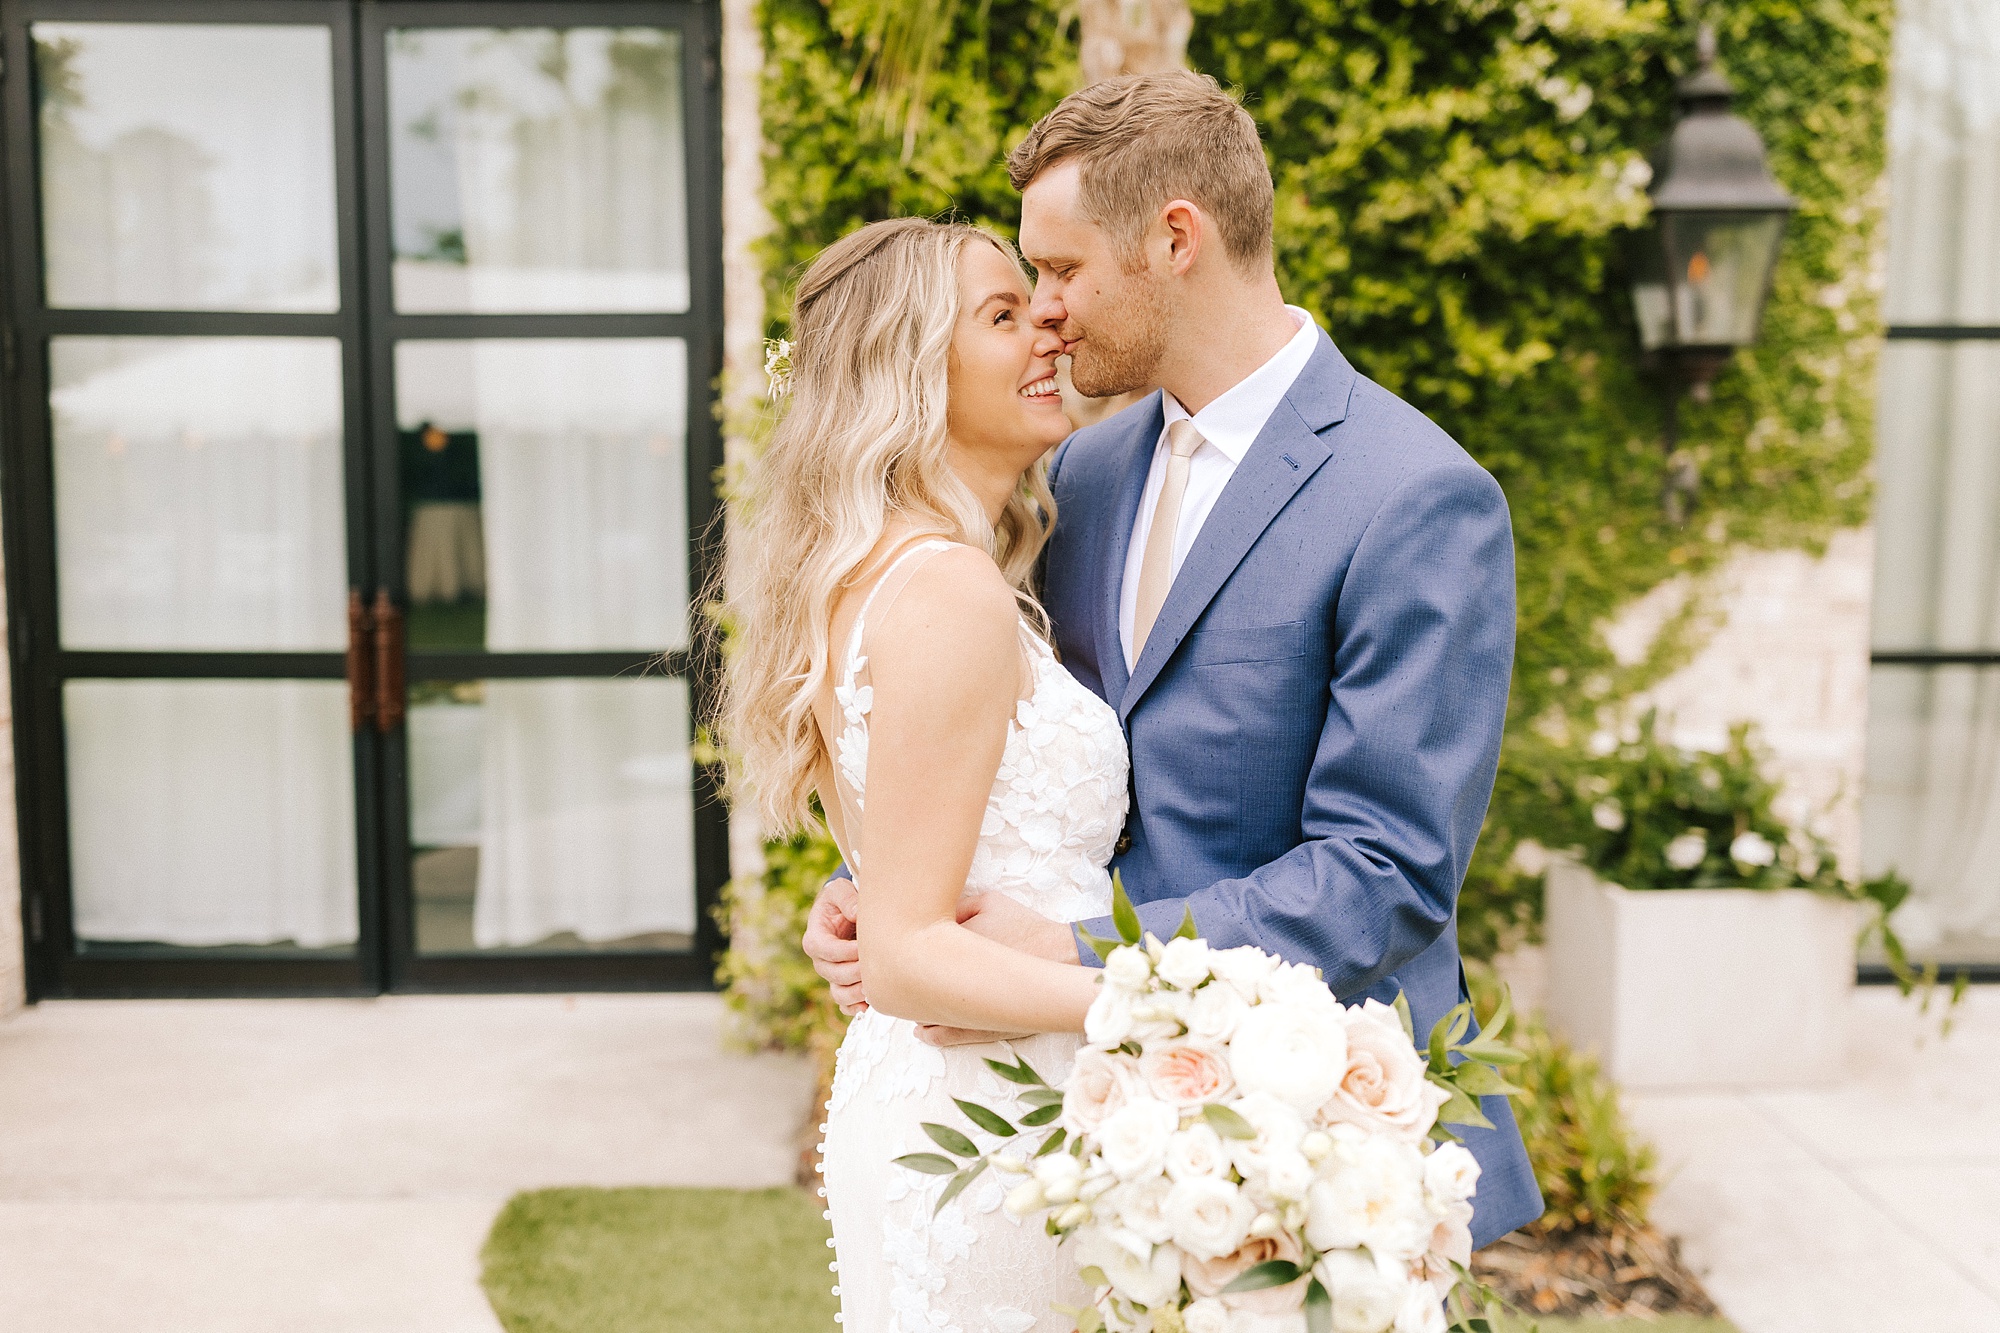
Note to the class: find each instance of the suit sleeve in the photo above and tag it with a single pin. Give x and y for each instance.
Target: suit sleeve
(1423, 652)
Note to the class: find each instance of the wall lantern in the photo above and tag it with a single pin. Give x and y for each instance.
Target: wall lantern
(1704, 266)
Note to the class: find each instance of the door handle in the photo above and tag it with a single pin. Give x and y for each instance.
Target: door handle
(388, 662)
(360, 663)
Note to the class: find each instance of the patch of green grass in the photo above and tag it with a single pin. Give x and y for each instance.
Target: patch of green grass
(659, 1261)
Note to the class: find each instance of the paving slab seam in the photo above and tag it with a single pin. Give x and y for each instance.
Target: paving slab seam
(1874, 1199)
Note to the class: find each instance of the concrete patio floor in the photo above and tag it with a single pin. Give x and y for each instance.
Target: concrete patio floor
(1869, 1206)
(332, 1166)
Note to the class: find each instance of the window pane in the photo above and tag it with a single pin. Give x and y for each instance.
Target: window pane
(537, 169)
(187, 166)
(545, 493)
(1931, 809)
(199, 498)
(551, 815)
(1937, 572)
(211, 813)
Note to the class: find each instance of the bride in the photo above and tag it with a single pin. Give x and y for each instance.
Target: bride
(889, 659)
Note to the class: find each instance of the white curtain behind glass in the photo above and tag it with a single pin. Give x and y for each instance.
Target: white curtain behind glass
(211, 812)
(586, 820)
(1933, 808)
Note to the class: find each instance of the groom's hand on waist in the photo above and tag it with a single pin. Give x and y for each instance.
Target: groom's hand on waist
(832, 942)
(1004, 921)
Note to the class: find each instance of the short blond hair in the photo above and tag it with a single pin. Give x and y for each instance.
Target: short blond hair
(1145, 139)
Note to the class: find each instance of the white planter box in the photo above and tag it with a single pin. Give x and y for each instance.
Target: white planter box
(1694, 988)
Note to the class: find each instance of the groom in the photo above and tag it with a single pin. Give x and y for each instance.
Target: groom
(1295, 589)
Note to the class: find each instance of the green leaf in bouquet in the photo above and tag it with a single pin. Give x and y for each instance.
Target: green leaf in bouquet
(1403, 1017)
(1018, 1072)
(1100, 946)
(1123, 914)
(1088, 1320)
(1319, 1308)
(1462, 1110)
(1187, 930)
(929, 1163)
(958, 1184)
(1042, 1097)
(1093, 1276)
(1040, 1116)
(990, 1121)
(1270, 1273)
(1051, 1143)
(949, 1139)
(1227, 1123)
(1481, 1080)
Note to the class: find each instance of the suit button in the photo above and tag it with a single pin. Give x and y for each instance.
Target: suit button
(1123, 845)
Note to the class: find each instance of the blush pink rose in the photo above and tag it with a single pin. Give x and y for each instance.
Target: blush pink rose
(1100, 1083)
(1384, 1088)
(1207, 1277)
(1187, 1074)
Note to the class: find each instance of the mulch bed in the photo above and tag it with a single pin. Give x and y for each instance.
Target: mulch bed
(1632, 1274)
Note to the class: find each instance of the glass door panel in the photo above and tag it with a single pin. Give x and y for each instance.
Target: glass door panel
(211, 813)
(544, 488)
(537, 169)
(199, 493)
(551, 815)
(187, 166)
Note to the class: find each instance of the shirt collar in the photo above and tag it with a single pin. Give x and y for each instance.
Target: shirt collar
(1233, 421)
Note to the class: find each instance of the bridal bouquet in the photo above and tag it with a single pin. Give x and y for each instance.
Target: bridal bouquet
(1235, 1151)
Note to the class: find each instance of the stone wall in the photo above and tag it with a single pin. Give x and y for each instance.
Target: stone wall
(13, 965)
(1789, 651)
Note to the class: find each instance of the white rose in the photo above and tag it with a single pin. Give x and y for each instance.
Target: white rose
(1371, 1193)
(1384, 1087)
(1098, 1084)
(1184, 963)
(1422, 1311)
(1110, 1018)
(1242, 967)
(1196, 1151)
(1688, 851)
(1279, 1128)
(1151, 1280)
(1216, 1010)
(1450, 1173)
(1295, 1053)
(1142, 1208)
(1288, 1176)
(1059, 1175)
(1128, 968)
(1206, 1315)
(1365, 1299)
(1296, 985)
(1134, 1140)
(1210, 1217)
(1451, 1239)
(1752, 850)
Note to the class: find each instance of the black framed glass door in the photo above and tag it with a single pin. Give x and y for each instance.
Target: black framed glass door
(358, 429)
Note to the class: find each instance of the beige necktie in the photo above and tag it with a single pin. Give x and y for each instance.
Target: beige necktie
(1156, 568)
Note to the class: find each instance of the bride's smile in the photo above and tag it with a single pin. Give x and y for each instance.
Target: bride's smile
(1006, 410)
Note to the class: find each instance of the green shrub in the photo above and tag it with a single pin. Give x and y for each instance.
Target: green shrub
(781, 1002)
(1596, 1174)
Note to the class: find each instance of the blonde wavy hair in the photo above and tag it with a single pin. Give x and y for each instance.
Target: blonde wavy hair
(861, 443)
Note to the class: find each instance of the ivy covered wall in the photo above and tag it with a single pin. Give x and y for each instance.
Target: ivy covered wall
(1456, 180)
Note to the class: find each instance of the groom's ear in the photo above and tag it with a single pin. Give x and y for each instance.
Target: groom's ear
(1179, 234)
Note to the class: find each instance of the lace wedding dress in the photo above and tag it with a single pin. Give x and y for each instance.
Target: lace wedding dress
(1056, 808)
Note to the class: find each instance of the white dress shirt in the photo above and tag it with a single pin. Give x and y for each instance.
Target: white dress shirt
(1228, 426)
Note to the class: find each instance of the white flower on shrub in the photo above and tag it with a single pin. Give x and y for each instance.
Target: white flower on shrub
(1688, 851)
(1134, 1140)
(1365, 1298)
(1291, 1052)
(1752, 850)
(1608, 815)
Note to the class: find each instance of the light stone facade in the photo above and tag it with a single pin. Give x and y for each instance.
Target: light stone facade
(13, 964)
(1789, 652)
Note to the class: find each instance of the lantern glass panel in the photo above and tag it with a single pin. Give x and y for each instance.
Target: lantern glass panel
(1652, 304)
(1719, 265)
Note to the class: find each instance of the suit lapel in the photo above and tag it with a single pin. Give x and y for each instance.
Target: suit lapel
(1286, 454)
(1133, 459)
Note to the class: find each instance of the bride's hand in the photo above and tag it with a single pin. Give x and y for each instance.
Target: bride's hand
(1004, 921)
(830, 942)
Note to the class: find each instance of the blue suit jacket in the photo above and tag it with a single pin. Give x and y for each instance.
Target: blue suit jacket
(1315, 719)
